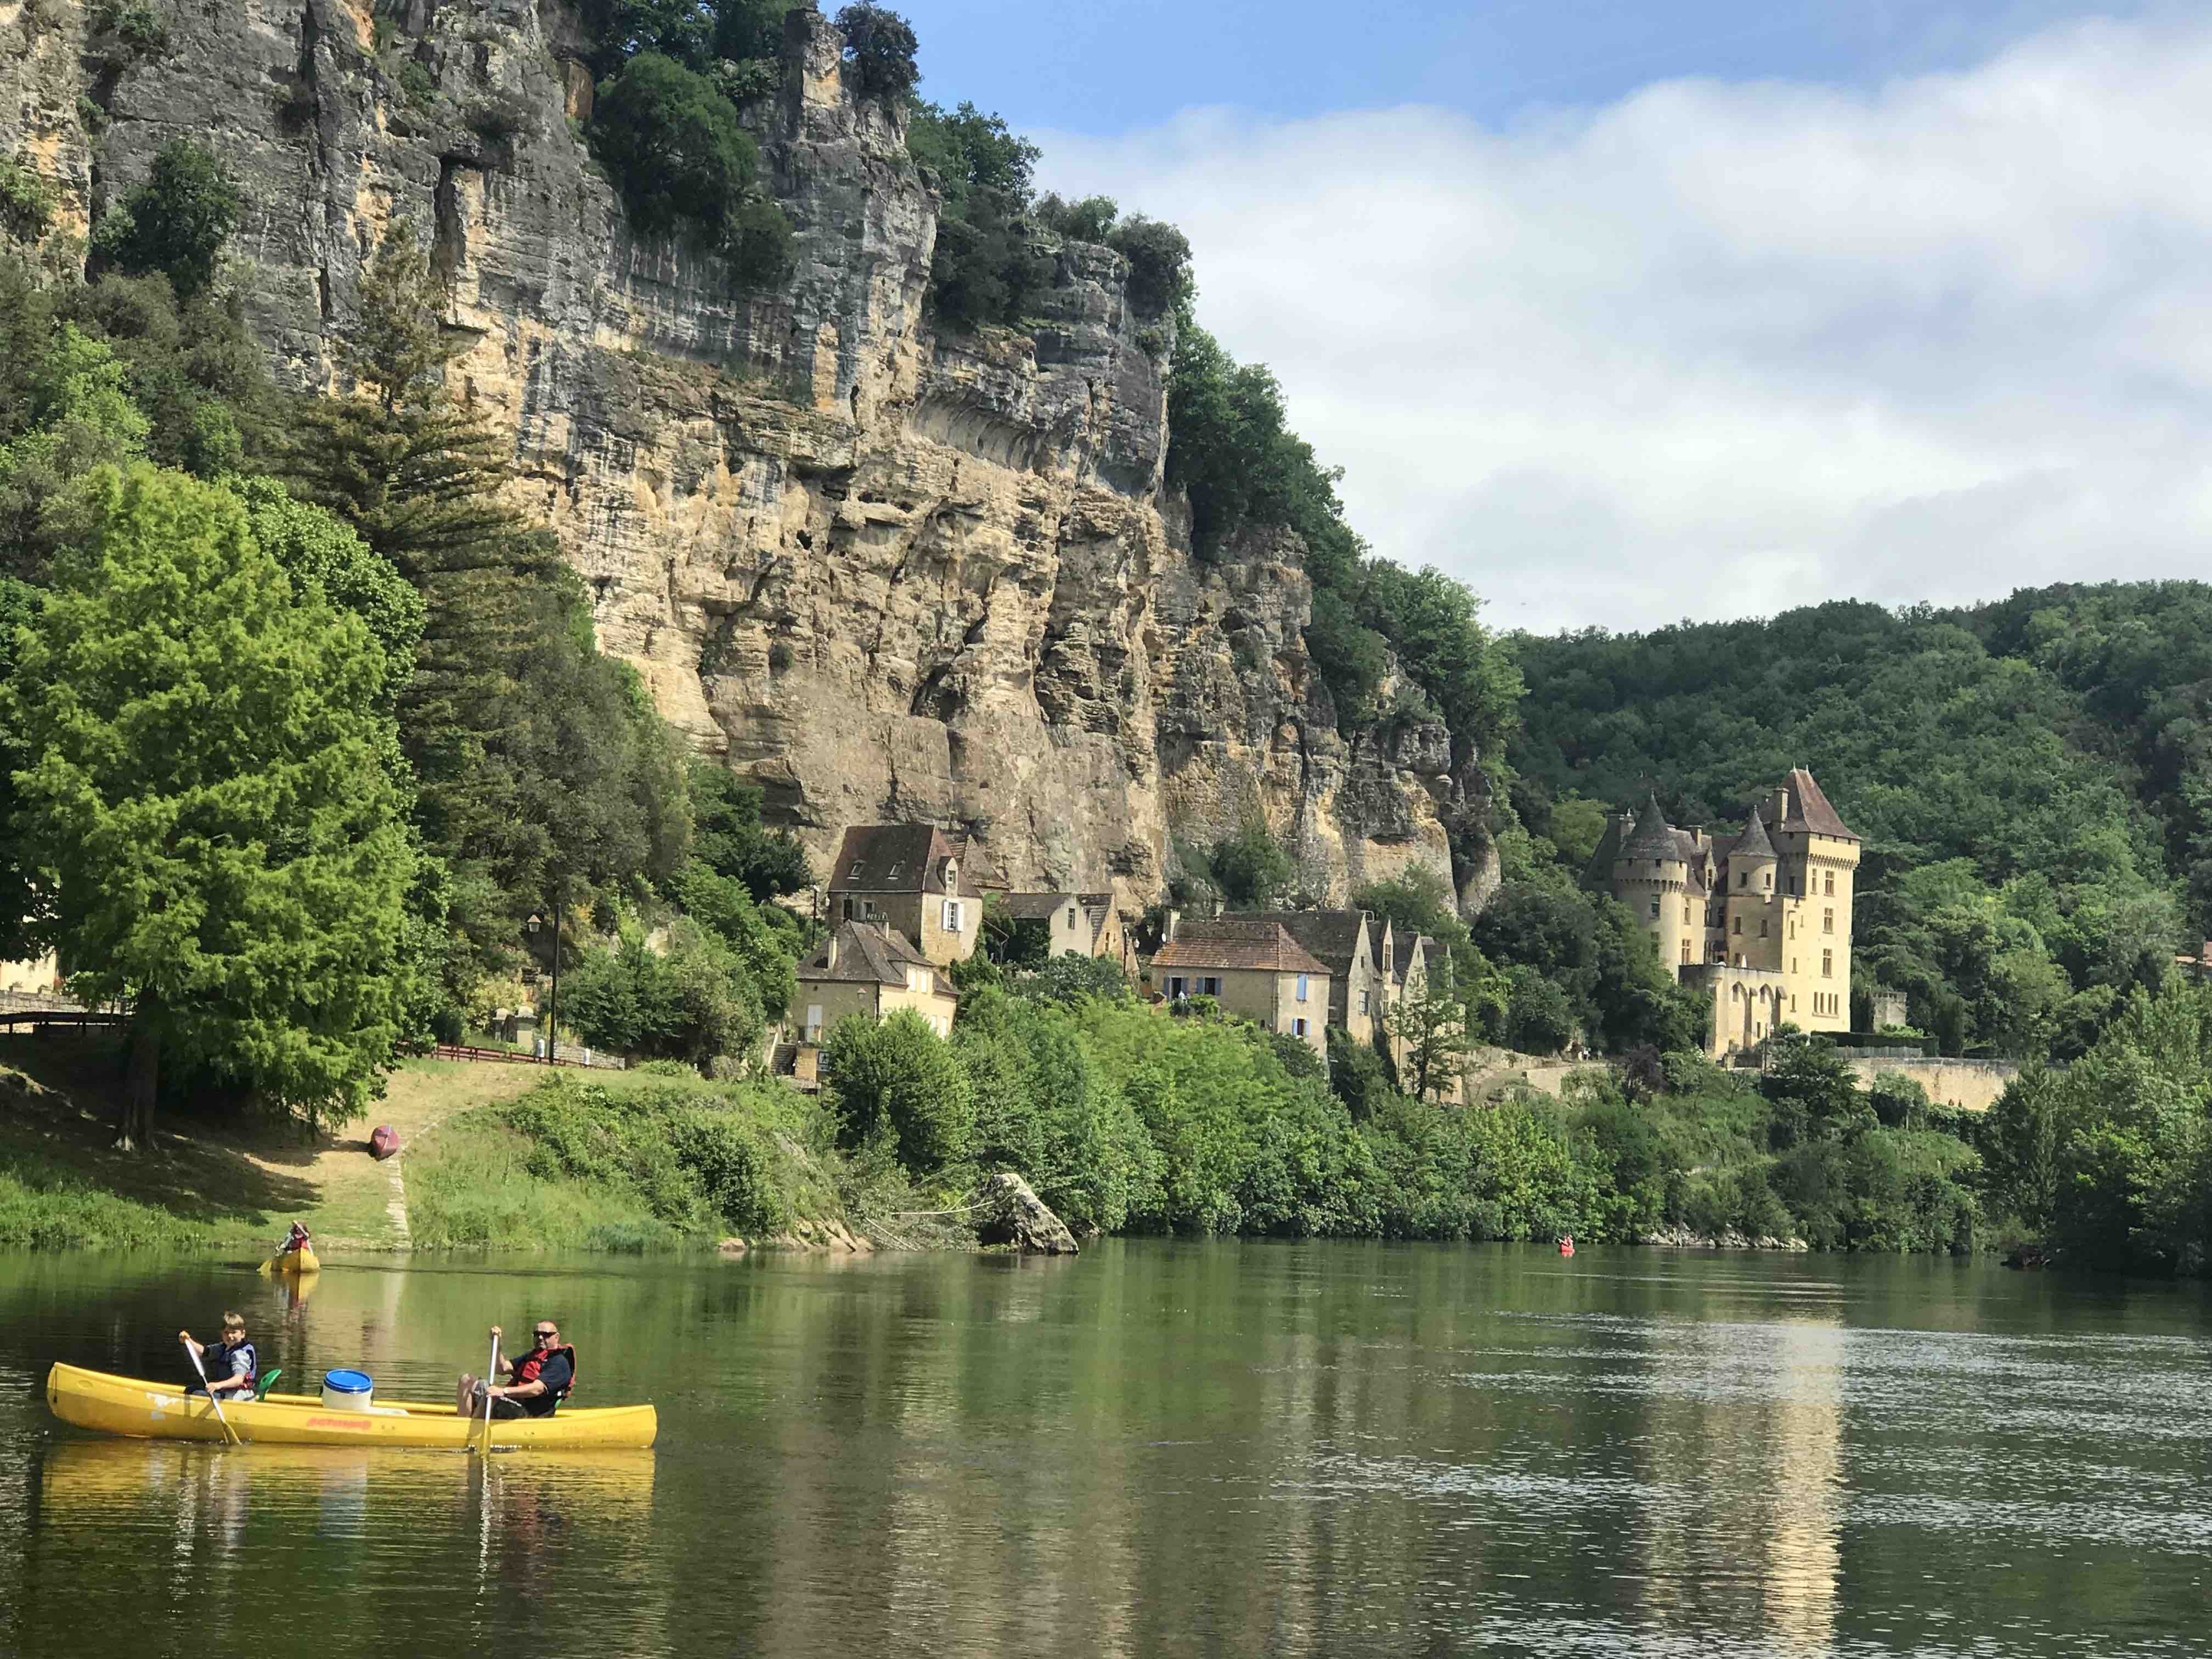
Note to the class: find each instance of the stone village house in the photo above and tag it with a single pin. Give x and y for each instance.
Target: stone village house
(864, 968)
(1252, 967)
(914, 879)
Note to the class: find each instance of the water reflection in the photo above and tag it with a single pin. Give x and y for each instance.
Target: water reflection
(1234, 1449)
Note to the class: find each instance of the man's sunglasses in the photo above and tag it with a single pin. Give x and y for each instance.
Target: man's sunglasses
(545, 1333)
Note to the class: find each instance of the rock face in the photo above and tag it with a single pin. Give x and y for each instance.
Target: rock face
(1009, 1213)
(886, 572)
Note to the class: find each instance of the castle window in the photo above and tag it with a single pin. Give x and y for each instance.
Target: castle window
(1685, 910)
(1762, 928)
(1827, 964)
(1739, 924)
(1830, 891)
(1654, 908)
(1685, 950)
(1827, 921)
(1744, 878)
(1793, 1005)
(1767, 880)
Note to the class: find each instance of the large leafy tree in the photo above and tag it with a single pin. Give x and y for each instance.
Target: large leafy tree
(204, 802)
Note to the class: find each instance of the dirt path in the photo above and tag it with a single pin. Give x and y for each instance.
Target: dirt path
(362, 1203)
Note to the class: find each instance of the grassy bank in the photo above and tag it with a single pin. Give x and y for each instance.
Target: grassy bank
(494, 1156)
(650, 1163)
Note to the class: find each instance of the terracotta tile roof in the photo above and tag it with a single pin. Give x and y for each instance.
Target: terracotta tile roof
(1333, 936)
(1238, 942)
(896, 858)
(870, 953)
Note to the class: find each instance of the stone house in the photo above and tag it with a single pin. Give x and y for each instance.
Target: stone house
(867, 968)
(1346, 943)
(1253, 968)
(912, 878)
(1080, 924)
(1759, 921)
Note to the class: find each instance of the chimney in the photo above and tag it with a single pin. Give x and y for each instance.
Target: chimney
(832, 961)
(1780, 804)
(1174, 921)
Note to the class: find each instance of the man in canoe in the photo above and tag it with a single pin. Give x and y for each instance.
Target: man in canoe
(231, 1365)
(543, 1378)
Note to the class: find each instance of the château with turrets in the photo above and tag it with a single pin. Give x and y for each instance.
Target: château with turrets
(1761, 921)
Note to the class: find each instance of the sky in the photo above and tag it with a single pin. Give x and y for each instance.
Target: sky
(1627, 313)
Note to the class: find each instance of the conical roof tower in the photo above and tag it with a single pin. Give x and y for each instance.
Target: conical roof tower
(1653, 837)
(1755, 842)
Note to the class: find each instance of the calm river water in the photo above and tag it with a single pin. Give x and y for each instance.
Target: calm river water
(1230, 1449)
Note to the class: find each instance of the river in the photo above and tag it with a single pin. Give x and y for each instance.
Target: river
(1159, 1447)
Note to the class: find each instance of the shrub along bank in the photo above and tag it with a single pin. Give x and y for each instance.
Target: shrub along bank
(1127, 1121)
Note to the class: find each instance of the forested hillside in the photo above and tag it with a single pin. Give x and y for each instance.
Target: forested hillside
(2030, 777)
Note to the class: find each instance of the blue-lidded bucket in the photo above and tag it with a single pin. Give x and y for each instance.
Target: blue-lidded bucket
(346, 1391)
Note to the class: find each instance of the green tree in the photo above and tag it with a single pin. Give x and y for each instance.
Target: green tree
(985, 267)
(728, 837)
(205, 803)
(175, 223)
(692, 1001)
(1433, 1027)
(1251, 866)
(899, 1078)
(674, 145)
(879, 47)
(700, 34)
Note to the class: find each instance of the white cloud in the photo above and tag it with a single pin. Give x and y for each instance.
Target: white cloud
(1717, 349)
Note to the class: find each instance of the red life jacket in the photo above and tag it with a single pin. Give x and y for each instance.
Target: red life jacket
(527, 1367)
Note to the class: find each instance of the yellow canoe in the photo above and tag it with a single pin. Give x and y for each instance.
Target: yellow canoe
(161, 1411)
(301, 1262)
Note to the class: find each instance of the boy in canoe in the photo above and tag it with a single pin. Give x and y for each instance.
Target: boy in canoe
(543, 1378)
(231, 1365)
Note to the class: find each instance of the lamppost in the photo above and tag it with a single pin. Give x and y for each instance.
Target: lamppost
(553, 1006)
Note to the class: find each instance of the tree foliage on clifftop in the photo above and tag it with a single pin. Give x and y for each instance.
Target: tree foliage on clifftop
(664, 123)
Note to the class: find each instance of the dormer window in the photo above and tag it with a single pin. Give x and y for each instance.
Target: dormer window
(897, 866)
(854, 874)
(952, 872)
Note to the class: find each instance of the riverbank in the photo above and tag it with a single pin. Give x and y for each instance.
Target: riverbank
(491, 1156)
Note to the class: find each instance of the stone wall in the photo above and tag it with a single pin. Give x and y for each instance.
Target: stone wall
(1973, 1084)
(884, 573)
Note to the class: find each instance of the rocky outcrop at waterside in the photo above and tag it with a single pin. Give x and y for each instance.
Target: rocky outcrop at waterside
(1008, 1212)
(1684, 1239)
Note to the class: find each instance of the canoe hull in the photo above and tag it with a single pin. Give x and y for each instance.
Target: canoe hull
(161, 1411)
(295, 1263)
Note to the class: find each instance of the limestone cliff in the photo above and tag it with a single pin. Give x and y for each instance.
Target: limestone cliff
(887, 573)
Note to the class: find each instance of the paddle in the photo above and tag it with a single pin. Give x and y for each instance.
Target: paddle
(214, 1399)
(490, 1371)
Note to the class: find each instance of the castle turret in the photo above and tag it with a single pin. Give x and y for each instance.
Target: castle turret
(1753, 912)
(1651, 876)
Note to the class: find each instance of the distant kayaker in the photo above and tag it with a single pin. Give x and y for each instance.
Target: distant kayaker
(543, 1378)
(231, 1365)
